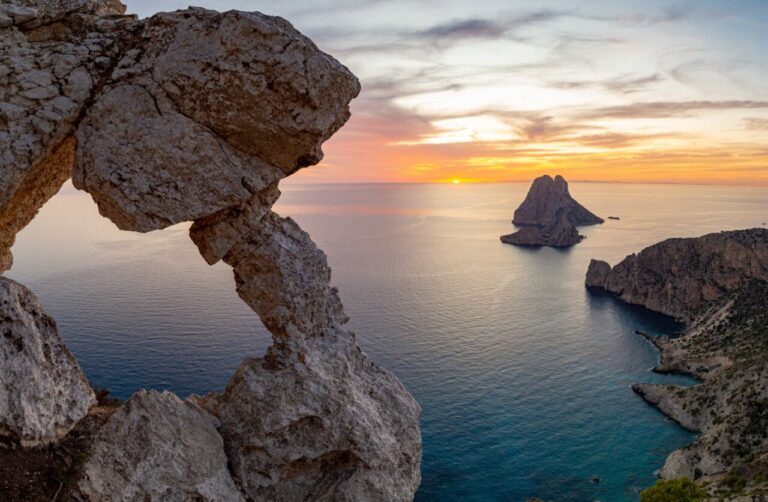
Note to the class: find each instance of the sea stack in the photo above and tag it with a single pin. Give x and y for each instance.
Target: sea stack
(549, 216)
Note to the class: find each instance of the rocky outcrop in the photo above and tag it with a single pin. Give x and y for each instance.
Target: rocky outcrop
(560, 234)
(158, 447)
(350, 425)
(195, 116)
(717, 284)
(241, 95)
(549, 216)
(679, 276)
(52, 55)
(547, 200)
(44, 393)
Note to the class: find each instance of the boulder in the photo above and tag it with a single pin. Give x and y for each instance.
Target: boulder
(158, 447)
(205, 111)
(44, 392)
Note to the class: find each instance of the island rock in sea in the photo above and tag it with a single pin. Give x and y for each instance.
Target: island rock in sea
(549, 216)
(195, 116)
(717, 284)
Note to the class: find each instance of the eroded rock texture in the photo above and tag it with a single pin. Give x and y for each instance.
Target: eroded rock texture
(549, 216)
(158, 447)
(196, 115)
(52, 55)
(43, 393)
(351, 426)
(678, 276)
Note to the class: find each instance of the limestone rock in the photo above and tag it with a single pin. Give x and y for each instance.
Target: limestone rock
(44, 392)
(158, 447)
(549, 216)
(678, 276)
(345, 429)
(51, 57)
(207, 110)
(546, 199)
(196, 115)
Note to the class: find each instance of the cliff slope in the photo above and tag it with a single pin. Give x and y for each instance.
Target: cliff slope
(717, 283)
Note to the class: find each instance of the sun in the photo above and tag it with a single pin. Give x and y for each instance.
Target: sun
(456, 182)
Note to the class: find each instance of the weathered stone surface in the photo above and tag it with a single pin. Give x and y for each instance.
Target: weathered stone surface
(48, 70)
(158, 447)
(545, 202)
(148, 166)
(549, 216)
(346, 429)
(252, 79)
(196, 115)
(44, 392)
(241, 95)
(678, 276)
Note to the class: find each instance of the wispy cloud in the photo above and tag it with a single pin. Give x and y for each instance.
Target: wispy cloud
(667, 109)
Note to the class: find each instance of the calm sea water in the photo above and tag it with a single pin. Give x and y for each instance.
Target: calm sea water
(522, 374)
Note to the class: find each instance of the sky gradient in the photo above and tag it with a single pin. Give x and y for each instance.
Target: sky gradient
(505, 91)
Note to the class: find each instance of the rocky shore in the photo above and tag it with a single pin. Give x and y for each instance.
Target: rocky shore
(193, 115)
(549, 216)
(718, 285)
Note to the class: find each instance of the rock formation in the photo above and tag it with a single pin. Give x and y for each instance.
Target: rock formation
(549, 216)
(44, 393)
(158, 447)
(678, 276)
(195, 116)
(718, 284)
(560, 234)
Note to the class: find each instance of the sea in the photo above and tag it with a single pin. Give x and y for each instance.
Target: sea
(523, 375)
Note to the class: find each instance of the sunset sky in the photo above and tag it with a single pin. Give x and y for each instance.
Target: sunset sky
(494, 90)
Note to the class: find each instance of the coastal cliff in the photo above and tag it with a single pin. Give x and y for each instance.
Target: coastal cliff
(193, 116)
(717, 284)
(549, 216)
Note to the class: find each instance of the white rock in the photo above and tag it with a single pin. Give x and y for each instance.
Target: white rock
(158, 447)
(44, 392)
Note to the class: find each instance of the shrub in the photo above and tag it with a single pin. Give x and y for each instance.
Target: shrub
(673, 490)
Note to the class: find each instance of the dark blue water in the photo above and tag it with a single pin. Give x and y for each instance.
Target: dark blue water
(522, 374)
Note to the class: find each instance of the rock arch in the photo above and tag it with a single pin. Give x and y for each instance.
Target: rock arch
(196, 116)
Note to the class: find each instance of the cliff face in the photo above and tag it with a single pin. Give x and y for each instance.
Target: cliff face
(718, 284)
(549, 216)
(678, 276)
(197, 115)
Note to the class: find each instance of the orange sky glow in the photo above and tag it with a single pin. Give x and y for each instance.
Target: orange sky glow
(660, 91)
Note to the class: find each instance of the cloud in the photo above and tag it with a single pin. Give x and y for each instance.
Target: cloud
(668, 15)
(459, 29)
(624, 84)
(756, 124)
(668, 109)
(467, 28)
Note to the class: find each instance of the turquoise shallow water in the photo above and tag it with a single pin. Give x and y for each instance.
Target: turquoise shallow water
(522, 374)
